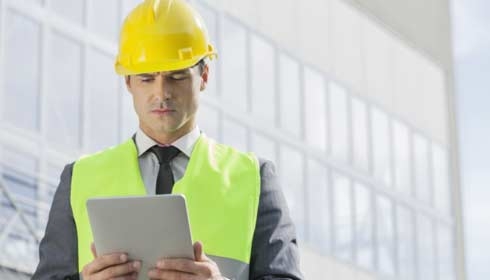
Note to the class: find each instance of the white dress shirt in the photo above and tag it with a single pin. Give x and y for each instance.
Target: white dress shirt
(148, 161)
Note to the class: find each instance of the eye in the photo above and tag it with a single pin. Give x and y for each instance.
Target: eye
(178, 76)
(147, 79)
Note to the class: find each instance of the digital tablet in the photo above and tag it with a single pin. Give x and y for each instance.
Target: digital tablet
(147, 228)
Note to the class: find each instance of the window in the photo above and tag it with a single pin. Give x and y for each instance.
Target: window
(72, 10)
(360, 134)
(264, 147)
(208, 120)
(22, 49)
(103, 101)
(64, 103)
(343, 231)
(339, 122)
(234, 65)
(445, 253)
(385, 236)
(425, 248)
(442, 185)
(104, 18)
(23, 189)
(7, 209)
(401, 149)
(364, 226)
(381, 146)
(39, 2)
(263, 78)
(47, 186)
(290, 95)
(51, 178)
(421, 168)
(291, 175)
(235, 134)
(319, 207)
(20, 248)
(20, 179)
(406, 244)
(315, 99)
(21, 169)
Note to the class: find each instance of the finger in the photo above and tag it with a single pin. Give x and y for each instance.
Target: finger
(131, 276)
(170, 274)
(198, 251)
(125, 270)
(182, 265)
(102, 262)
(94, 251)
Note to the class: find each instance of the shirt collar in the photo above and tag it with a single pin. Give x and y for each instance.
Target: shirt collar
(185, 143)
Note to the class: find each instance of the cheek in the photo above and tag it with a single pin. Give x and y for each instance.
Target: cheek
(139, 104)
(189, 104)
(194, 103)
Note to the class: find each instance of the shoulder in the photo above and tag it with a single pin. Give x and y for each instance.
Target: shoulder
(267, 168)
(271, 193)
(116, 152)
(225, 154)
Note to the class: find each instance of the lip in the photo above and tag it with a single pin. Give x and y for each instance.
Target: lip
(162, 111)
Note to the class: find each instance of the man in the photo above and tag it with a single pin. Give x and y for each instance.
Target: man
(236, 209)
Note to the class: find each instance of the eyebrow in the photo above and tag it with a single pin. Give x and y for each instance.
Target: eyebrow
(150, 75)
(146, 75)
(185, 71)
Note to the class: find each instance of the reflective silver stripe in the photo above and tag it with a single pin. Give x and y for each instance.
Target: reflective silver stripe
(232, 269)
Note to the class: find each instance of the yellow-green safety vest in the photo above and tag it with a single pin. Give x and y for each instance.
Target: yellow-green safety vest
(221, 186)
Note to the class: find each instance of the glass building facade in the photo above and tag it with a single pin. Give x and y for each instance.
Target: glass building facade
(365, 187)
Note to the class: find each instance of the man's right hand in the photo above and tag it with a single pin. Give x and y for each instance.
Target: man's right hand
(111, 266)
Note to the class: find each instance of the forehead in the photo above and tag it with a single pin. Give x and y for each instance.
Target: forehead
(183, 71)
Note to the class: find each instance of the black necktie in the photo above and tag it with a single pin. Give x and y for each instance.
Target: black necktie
(165, 179)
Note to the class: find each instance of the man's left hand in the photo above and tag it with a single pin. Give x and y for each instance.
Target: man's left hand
(202, 268)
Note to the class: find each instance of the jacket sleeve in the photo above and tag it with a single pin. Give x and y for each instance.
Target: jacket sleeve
(275, 254)
(58, 250)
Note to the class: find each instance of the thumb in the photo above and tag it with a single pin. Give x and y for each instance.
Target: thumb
(199, 252)
(94, 251)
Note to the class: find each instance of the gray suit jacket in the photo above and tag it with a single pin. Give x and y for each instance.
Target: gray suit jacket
(274, 256)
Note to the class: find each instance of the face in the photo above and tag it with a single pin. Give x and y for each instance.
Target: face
(166, 102)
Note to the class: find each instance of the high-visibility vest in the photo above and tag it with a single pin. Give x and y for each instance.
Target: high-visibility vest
(221, 186)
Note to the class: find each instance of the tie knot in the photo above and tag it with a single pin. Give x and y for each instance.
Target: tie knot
(165, 154)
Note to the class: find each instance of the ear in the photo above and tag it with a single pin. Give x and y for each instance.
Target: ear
(204, 77)
(127, 80)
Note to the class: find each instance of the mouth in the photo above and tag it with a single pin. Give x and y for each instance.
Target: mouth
(162, 111)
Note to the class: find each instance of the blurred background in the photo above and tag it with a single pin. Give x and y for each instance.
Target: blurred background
(471, 37)
(375, 113)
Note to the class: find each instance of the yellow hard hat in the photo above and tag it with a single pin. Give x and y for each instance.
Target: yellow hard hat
(162, 35)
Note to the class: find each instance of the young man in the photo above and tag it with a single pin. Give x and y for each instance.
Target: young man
(236, 208)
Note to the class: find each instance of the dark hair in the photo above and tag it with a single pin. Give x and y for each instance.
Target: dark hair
(201, 64)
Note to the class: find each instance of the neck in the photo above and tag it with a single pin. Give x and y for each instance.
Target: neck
(167, 138)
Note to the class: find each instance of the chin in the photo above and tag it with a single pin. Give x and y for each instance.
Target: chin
(167, 129)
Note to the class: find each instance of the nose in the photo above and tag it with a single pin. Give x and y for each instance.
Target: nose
(162, 90)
